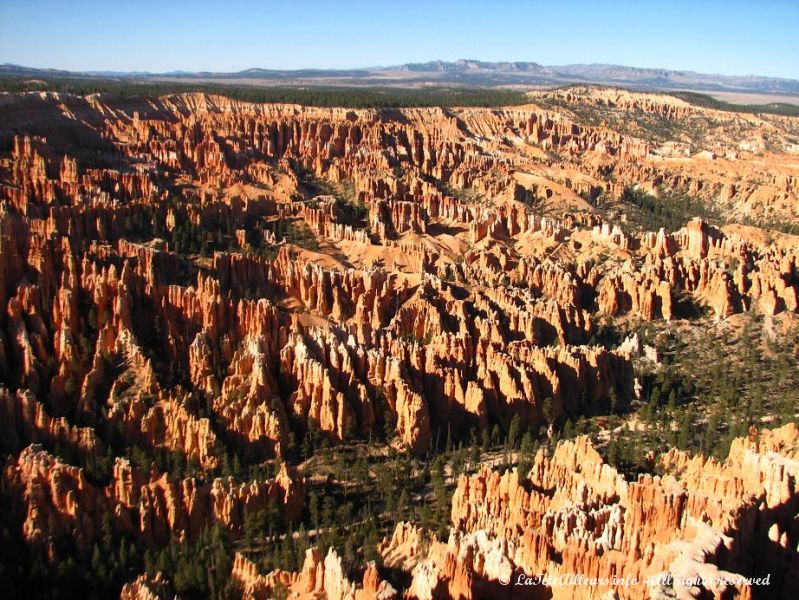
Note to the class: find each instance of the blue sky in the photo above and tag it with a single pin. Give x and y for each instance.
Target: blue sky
(732, 37)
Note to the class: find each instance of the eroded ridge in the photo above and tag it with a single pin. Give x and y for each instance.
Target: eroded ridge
(204, 299)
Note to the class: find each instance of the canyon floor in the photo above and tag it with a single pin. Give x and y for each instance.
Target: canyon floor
(279, 351)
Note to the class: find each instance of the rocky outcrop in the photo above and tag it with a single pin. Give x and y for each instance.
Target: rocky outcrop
(168, 425)
(206, 278)
(319, 578)
(575, 515)
(57, 498)
(393, 218)
(524, 278)
(25, 421)
(144, 588)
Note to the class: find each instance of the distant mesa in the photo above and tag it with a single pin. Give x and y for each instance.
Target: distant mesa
(466, 72)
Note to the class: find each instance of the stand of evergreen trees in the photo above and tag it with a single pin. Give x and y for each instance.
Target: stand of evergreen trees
(343, 97)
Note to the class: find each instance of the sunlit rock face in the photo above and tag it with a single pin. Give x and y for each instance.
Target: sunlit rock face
(202, 278)
(718, 523)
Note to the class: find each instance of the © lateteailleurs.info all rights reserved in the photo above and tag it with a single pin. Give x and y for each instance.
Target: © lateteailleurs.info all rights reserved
(660, 579)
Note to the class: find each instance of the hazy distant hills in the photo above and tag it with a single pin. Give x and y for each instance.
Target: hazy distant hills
(461, 72)
(475, 66)
(494, 73)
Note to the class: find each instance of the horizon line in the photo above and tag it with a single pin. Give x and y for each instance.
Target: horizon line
(96, 71)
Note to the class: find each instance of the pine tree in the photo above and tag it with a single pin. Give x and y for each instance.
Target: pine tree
(149, 563)
(98, 564)
(513, 431)
(313, 507)
(403, 500)
(615, 405)
(547, 411)
(672, 401)
(486, 440)
(496, 435)
(684, 427)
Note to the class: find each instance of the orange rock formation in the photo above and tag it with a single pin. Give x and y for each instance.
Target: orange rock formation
(205, 277)
(696, 531)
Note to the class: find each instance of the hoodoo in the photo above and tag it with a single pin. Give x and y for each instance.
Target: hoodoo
(270, 350)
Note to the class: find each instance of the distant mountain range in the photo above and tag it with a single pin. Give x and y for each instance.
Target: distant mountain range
(461, 72)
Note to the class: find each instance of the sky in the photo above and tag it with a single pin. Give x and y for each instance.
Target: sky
(729, 37)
